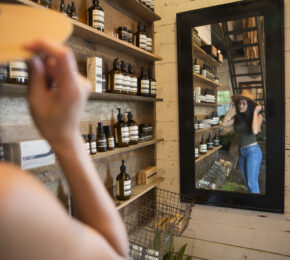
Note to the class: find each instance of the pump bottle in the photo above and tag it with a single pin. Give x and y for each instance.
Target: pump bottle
(123, 184)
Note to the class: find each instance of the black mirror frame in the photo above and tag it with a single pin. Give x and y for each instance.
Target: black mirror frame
(273, 12)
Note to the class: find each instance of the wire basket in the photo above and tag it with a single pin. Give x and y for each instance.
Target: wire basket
(211, 173)
(152, 220)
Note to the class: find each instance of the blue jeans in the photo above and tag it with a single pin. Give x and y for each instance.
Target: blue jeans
(250, 160)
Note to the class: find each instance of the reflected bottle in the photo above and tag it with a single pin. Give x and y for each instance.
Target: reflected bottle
(209, 142)
(203, 146)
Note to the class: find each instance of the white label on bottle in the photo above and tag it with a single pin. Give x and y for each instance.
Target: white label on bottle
(196, 152)
(102, 143)
(133, 85)
(203, 73)
(111, 142)
(148, 44)
(203, 148)
(18, 69)
(3, 71)
(126, 83)
(134, 136)
(216, 142)
(118, 82)
(127, 188)
(145, 86)
(152, 4)
(153, 87)
(125, 134)
(87, 145)
(98, 19)
(116, 135)
(143, 41)
(93, 147)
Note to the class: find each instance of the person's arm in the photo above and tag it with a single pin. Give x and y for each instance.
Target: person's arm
(229, 117)
(257, 120)
(57, 115)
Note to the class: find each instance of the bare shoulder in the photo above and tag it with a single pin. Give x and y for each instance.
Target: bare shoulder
(34, 225)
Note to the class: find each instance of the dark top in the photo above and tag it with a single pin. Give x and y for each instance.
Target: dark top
(244, 132)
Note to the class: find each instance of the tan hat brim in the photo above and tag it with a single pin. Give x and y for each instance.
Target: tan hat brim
(22, 24)
(237, 98)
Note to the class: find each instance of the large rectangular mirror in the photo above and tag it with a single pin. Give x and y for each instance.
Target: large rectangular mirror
(231, 96)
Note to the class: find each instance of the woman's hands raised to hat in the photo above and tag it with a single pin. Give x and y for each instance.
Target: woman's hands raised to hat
(56, 111)
(257, 109)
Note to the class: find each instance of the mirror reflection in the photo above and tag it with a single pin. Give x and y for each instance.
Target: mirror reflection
(229, 109)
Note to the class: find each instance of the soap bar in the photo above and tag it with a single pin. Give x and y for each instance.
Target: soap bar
(147, 175)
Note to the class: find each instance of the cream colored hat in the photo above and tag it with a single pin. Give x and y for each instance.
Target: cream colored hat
(21, 24)
(245, 95)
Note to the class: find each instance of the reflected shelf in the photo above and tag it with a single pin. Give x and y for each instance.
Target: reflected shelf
(209, 152)
(204, 130)
(203, 55)
(206, 80)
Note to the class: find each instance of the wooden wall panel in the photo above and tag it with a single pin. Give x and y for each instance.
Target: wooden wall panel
(214, 233)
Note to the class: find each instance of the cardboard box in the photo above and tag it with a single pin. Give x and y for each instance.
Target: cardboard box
(94, 73)
(29, 154)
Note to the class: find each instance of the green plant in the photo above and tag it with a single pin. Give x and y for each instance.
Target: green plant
(171, 255)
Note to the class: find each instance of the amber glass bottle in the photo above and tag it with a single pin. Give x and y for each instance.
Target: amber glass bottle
(101, 139)
(144, 85)
(123, 184)
(153, 84)
(96, 16)
(126, 78)
(133, 81)
(110, 137)
(116, 78)
(133, 129)
(121, 131)
(203, 146)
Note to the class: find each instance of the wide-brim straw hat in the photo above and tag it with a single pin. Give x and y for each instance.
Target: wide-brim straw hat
(245, 95)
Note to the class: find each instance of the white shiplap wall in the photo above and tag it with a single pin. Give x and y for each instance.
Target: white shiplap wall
(214, 232)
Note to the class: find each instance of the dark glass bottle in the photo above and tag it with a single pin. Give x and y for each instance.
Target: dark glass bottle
(96, 16)
(216, 140)
(45, 3)
(74, 14)
(18, 72)
(62, 7)
(144, 85)
(133, 81)
(153, 84)
(133, 129)
(116, 78)
(101, 139)
(123, 184)
(68, 10)
(93, 144)
(209, 142)
(203, 146)
(140, 37)
(129, 36)
(148, 40)
(110, 137)
(121, 131)
(123, 33)
(3, 73)
(87, 143)
(126, 78)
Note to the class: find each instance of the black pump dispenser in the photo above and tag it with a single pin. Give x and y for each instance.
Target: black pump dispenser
(123, 167)
(130, 68)
(116, 64)
(119, 116)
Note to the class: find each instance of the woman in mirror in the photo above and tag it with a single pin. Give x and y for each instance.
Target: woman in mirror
(244, 115)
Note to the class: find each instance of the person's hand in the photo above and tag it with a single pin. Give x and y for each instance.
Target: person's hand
(257, 109)
(56, 111)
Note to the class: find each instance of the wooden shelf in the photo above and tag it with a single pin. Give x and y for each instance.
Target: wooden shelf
(204, 79)
(204, 130)
(21, 90)
(198, 51)
(86, 32)
(139, 9)
(137, 192)
(100, 156)
(205, 104)
(209, 152)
